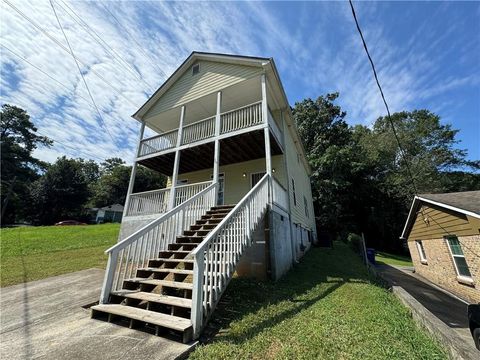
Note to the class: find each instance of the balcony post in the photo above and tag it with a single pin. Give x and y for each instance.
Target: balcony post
(268, 153)
(176, 164)
(133, 173)
(216, 156)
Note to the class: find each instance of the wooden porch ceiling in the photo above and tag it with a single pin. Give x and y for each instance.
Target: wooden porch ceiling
(235, 149)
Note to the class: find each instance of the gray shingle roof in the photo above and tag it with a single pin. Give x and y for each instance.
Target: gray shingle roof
(465, 200)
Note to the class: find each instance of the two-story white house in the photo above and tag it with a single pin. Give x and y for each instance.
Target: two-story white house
(238, 197)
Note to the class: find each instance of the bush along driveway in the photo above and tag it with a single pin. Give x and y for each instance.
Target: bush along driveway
(326, 307)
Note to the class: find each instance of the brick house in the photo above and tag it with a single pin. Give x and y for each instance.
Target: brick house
(443, 237)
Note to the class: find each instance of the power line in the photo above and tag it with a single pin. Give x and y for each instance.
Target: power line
(43, 31)
(96, 36)
(403, 153)
(81, 74)
(132, 38)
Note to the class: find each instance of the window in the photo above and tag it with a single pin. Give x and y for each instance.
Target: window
(195, 69)
(458, 258)
(421, 251)
(294, 195)
(256, 177)
(306, 206)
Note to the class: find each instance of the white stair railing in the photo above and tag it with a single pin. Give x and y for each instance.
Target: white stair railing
(134, 252)
(216, 256)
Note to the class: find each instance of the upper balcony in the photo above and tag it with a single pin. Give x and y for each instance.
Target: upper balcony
(234, 122)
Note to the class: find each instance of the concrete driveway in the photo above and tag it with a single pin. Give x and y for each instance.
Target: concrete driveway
(45, 320)
(450, 310)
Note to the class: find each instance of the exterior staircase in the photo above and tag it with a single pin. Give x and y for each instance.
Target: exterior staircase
(159, 297)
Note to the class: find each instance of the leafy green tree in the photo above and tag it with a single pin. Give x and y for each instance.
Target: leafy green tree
(61, 193)
(112, 186)
(19, 168)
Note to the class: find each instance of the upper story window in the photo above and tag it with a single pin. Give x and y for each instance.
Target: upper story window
(305, 203)
(294, 194)
(195, 69)
(421, 251)
(459, 261)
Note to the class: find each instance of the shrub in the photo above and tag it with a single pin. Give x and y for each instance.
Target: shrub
(355, 242)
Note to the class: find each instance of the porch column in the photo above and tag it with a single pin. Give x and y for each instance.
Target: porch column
(216, 155)
(268, 154)
(134, 169)
(176, 164)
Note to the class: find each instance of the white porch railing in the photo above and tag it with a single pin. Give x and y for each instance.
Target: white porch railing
(156, 201)
(216, 256)
(148, 202)
(241, 118)
(199, 130)
(158, 143)
(185, 192)
(277, 133)
(280, 195)
(126, 257)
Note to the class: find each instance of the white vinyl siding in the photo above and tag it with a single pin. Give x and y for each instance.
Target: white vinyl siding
(212, 77)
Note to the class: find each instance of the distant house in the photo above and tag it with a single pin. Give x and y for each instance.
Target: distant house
(112, 213)
(443, 236)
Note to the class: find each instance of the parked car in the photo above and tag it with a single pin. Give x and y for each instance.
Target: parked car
(474, 323)
(69, 222)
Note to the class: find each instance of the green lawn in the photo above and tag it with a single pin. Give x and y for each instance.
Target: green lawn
(391, 259)
(327, 307)
(32, 253)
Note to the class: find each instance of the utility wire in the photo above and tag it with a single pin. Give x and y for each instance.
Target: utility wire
(132, 38)
(43, 31)
(81, 74)
(96, 36)
(393, 125)
(402, 152)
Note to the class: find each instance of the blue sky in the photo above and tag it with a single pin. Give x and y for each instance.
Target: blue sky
(427, 55)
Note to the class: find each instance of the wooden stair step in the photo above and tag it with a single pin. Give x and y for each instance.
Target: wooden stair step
(151, 317)
(166, 283)
(166, 270)
(172, 260)
(157, 298)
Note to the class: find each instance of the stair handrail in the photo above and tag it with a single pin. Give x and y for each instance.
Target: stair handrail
(249, 211)
(154, 237)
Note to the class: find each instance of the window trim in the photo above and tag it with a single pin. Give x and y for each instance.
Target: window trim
(421, 252)
(293, 191)
(464, 279)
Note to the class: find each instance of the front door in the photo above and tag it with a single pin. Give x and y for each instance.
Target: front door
(255, 178)
(221, 188)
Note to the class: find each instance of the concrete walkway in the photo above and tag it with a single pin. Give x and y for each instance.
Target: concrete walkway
(45, 320)
(450, 310)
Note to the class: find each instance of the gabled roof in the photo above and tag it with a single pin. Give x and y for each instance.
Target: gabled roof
(114, 207)
(195, 56)
(266, 63)
(466, 202)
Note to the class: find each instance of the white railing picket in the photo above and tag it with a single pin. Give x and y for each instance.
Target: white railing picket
(133, 253)
(216, 256)
(158, 143)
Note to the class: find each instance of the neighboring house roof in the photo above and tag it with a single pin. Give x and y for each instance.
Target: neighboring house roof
(465, 202)
(265, 63)
(114, 207)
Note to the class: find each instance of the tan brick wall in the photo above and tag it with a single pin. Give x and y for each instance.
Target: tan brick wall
(440, 268)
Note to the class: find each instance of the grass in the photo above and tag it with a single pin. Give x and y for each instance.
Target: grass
(391, 259)
(327, 307)
(32, 253)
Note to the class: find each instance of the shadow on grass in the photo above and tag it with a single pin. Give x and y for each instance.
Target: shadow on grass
(320, 273)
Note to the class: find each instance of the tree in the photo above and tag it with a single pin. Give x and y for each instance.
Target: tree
(112, 185)
(18, 140)
(61, 193)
